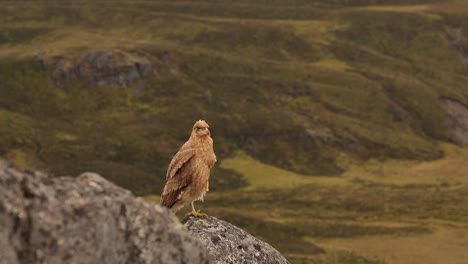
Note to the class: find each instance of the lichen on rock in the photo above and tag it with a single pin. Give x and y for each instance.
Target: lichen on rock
(227, 243)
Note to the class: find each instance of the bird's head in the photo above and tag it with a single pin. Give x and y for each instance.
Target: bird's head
(201, 129)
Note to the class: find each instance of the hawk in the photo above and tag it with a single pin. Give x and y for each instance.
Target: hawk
(189, 170)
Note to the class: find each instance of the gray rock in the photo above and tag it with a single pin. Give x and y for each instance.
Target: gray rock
(85, 220)
(457, 119)
(230, 244)
(456, 37)
(117, 69)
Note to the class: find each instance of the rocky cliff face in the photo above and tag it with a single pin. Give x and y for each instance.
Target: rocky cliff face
(88, 219)
(457, 120)
(117, 69)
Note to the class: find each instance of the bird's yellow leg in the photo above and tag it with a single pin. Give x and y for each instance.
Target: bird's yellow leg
(196, 213)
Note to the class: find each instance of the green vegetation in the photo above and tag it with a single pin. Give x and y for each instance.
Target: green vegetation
(325, 115)
(358, 217)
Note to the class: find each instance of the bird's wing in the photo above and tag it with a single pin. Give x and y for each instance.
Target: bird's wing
(180, 158)
(178, 176)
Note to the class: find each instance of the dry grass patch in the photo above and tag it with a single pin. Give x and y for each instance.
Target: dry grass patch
(260, 175)
(399, 8)
(446, 245)
(452, 170)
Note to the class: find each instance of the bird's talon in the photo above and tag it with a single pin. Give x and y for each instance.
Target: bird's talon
(196, 214)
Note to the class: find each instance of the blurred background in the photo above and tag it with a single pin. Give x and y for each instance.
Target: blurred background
(340, 126)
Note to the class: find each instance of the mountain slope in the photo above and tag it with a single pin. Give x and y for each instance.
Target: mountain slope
(293, 86)
(335, 122)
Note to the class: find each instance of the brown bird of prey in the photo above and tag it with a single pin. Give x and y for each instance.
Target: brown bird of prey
(189, 170)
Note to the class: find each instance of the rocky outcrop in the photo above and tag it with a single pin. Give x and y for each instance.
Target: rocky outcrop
(117, 68)
(85, 220)
(458, 40)
(457, 116)
(230, 244)
(88, 219)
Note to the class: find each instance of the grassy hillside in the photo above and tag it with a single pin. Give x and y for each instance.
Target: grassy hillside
(316, 109)
(397, 211)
